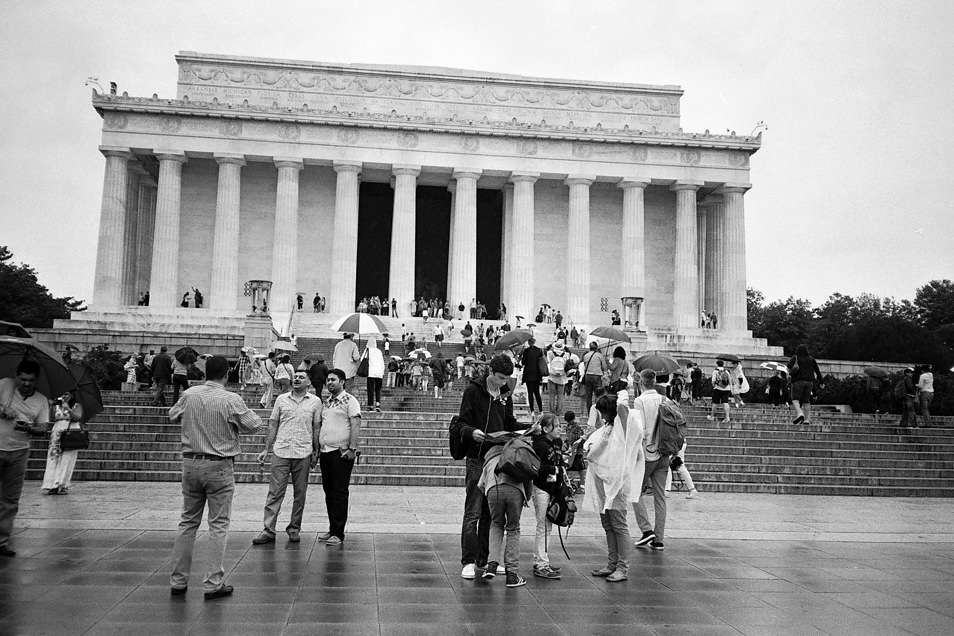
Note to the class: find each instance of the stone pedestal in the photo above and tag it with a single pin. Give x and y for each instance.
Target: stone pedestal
(344, 251)
(258, 332)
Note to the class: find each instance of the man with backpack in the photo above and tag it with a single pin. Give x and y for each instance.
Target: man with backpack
(721, 390)
(486, 407)
(591, 371)
(556, 363)
(657, 465)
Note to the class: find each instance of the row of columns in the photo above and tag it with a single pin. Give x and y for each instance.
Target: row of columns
(709, 259)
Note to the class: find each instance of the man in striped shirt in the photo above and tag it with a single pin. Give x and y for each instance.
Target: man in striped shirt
(338, 442)
(293, 436)
(212, 419)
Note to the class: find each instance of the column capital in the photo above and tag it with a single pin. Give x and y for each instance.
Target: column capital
(171, 155)
(580, 179)
(116, 151)
(221, 159)
(400, 169)
(686, 185)
(452, 186)
(466, 173)
(347, 166)
(734, 188)
(633, 182)
(295, 163)
(529, 177)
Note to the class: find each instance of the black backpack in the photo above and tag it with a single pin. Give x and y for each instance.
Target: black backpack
(562, 509)
(455, 438)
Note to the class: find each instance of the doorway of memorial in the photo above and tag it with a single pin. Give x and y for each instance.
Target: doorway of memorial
(431, 242)
(375, 217)
(489, 242)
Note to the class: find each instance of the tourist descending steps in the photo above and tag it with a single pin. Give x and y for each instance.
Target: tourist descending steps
(293, 440)
(721, 390)
(805, 372)
(338, 438)
(212, 419)
(375, 374)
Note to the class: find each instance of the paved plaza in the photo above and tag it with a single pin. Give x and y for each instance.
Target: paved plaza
(97, 562)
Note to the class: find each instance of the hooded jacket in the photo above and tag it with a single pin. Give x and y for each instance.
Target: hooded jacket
(478, 410)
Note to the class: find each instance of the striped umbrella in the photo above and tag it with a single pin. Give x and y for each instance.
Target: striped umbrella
(774, 366)
(359, 323)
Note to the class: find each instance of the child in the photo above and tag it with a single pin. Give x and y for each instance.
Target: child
(575, 436)
(506, 498)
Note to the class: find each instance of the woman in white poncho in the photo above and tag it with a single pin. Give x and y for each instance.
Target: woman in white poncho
(614, 477)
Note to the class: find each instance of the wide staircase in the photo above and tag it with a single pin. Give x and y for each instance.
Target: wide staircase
(406, 444)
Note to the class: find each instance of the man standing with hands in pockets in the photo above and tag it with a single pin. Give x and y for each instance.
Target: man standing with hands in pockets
(293, 436)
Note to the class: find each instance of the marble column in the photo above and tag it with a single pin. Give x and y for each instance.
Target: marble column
(464, 239)
(701, 255)
(108, 283)
(451, 295)
(130, 252)
(734, 316)
(164, 285)
(578, 248)
(522, 231)
(285, 244)
(403, 236)
(633, 275)
(506, 248)
(344, 251)
(223, 296)
(715, 262)
(686, 312)
(147, 224)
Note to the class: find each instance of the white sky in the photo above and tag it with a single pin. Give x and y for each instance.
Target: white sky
(853, 187)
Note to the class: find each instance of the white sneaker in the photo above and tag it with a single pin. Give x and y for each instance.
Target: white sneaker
(501, 569)
(709, 417)
(692, 494)
(469, 571)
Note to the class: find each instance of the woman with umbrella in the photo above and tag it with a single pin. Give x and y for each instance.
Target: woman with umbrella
(60, 463)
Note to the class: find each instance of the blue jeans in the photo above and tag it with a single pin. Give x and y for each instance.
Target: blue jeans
(475, 529)
(283, 469)
(505, 504)
(203, 481)
(13, 466)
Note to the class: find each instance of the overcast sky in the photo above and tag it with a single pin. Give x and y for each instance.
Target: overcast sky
(853, 187)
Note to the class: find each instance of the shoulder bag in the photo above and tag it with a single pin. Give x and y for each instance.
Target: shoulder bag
(74, 438)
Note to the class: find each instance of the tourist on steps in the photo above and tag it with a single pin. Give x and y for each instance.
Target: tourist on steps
(375, 374)
(805, 372)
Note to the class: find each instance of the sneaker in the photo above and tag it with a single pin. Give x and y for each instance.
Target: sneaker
(798, 420)
(657, 545)
(501, 570)
(324, 536)
(692, 494)
(294, 537)
(726, 421)
(264, 537)
(333, 541)
(602, 572)
(617, 576)
(491, 570)
(546, 572)
(648, 537)
(709, 417)
(515, 580)
(469, 572)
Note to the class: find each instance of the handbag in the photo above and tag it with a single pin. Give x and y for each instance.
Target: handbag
(74, 438)
(579, 389)
(543, 367)
(363, 366)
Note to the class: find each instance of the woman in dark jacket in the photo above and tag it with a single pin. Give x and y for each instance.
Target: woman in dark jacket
(548, 445)
(804, 372)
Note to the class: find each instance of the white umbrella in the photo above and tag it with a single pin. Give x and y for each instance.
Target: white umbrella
(284, 345)
(359, 323)
(774, 366)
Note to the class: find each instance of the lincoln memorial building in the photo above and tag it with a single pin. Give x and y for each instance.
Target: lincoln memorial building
(353, 180)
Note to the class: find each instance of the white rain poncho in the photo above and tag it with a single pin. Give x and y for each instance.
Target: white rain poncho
(616, 463)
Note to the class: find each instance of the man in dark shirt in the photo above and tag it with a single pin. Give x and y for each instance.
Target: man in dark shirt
(161, 375)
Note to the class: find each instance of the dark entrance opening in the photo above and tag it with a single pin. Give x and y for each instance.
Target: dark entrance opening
(489, 235)
(432, 241)
(375, 216)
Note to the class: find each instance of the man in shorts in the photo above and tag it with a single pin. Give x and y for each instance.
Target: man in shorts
(721, 390)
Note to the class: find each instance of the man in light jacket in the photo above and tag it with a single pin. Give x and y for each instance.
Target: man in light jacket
(346, 358)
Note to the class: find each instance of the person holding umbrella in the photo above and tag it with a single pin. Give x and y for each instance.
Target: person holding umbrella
(23, 411)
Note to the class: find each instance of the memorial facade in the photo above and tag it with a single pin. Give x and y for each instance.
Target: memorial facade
(354, 180)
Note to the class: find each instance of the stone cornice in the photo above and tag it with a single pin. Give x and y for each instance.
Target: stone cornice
(119, 104)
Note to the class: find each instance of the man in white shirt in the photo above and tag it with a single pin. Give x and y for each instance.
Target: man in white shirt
(657, 465)
(293, 437)
(926, 393)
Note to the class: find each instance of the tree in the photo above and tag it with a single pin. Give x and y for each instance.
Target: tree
(787, 323)
(755, 302)
(935, 303)
(23, 299)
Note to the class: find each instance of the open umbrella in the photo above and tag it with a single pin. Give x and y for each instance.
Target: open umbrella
(614, 334)
(876, 372)
(728, 357)
(87, 391)
(13, 329)
(513, 339)
(657, 362)
(284, 345)
(359, 323)
(774, 366)
(55, 378)
(186, 355)
(420, 354)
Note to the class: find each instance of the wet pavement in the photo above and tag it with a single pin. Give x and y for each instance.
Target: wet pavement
(97, 562)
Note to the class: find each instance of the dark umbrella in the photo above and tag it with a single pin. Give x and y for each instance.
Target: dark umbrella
(54, 379)
(657, 362)
(610, 333)
(876, 372)
(728, 357)
(87, 391)
(187, 355)
(513, 339)
(13, 329)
